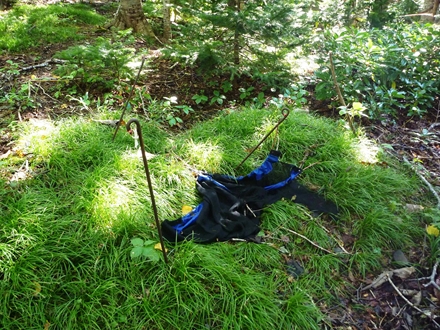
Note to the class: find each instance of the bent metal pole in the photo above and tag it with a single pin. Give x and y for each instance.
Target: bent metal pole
(285, 112)
(127, 102)
(150, 186)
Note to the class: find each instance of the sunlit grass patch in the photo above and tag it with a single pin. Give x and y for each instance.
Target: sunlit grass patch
(66, 233)
(27, 26)
(208, 156)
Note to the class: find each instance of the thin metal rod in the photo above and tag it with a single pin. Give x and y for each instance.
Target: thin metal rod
(150, 186)
(285, 112)
(120, 122)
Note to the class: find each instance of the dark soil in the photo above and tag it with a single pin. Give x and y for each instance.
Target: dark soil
(380, 307)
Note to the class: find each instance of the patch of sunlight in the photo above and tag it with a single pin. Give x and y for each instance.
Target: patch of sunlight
(129, 161)
(113, 200)
(264, 129)
(366, 151)
(302, 65)
(206, 155)
(37, 137)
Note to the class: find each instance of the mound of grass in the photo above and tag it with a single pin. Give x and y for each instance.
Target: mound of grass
(26, 26)
(66, 228)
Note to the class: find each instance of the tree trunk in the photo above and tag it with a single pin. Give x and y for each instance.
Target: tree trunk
(131, 15)
(427, 8)
(435, 10)
(166, 21)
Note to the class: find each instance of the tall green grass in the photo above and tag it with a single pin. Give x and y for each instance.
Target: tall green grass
(66, 229)
(27, 26)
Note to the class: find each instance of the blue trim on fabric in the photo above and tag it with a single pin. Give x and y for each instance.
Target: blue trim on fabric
(292, 176)
(189, 218)
(265, 168)
(207, 177)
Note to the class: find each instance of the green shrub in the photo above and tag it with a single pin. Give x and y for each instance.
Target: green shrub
(100, 65)
(393, 71)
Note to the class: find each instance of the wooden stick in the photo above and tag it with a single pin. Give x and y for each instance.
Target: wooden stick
(425, 181)
(410, 303)
(308, 240)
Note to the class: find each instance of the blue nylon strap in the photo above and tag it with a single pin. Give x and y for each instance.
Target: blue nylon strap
(189, 218)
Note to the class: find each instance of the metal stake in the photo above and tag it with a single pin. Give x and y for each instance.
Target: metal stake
(121, 120)
(285, 112)
(150, 186)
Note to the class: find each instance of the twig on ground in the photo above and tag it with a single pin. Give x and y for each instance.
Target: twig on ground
(410, 303)
(432, 277)
(44, 92)
(41, 65)
(306, 213)
(425, 181)
(308, 166)
(433, 126)
(307, 154)
(308, 240)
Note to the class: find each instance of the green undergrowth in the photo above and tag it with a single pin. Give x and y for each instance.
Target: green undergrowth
(68, 222)
(27, 26)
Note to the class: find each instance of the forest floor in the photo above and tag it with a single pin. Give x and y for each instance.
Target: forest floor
(414, 139)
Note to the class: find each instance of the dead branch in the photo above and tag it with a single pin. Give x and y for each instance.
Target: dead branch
(41, 65)
(425, 181)
(308, 166)
(432, 277)
(410, 303)
(308, 240)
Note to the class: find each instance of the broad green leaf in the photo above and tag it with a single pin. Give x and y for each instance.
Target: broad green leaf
(150, 253)
(136, 251)
(137, 242)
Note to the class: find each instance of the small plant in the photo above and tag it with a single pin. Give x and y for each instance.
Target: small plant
(245, 92)
(20, 97)
(217, 98)
(227, 86)
(167, 111)
(260, 100)
(356, 110)
(146, 249)
(100, 65)
(84, 101)
(200, 98)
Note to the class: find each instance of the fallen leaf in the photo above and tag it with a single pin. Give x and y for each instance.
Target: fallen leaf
(378, 281)
(404, 272)
(282, 249)
(37, 288)
(285, 239)
(159, 247)
(432, 230)
(417, 298)
(414, 207)
(313, 187)
(5, 155)
(186, 209)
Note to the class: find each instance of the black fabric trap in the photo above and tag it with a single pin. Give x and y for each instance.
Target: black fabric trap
(232, 206)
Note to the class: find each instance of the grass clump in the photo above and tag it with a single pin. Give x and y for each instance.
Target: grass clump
(65, 251)
(27, 26)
